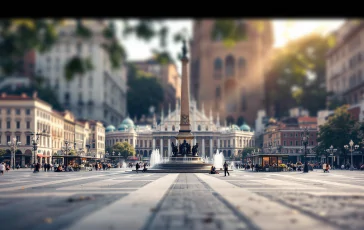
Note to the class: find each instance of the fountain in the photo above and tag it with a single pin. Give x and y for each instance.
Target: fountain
(218, 160)
(155, 158)
(184, 154)
(124, 165)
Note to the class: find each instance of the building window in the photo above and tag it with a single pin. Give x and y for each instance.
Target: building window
(8, 125)
(67, 97)
(7, 139)
(90, 82)
(17, 111)
(290, 143)
(18, 139)
(8, 111)
(27, 111)
(284, 143)
(80, 81)
(243, 100)
(242, 67)
(18, 124)
(217, 68)
(229, 66)
(28, 124)
(218, 92)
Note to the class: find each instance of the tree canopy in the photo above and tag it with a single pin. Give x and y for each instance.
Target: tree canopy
(144, 91)
(338, 131)
(124, 148)
(296, 76)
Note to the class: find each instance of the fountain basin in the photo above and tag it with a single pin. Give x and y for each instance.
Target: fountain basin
(181, 167)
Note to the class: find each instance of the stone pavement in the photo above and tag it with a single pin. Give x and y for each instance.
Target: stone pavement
(125, 200)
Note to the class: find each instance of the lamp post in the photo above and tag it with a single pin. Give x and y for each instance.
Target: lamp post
(13, 144)
(35, 142)
(270, 147)
(106, 154)
(305, 143)
(331, 151)
(119, 160)
(66, 148)
(351, 149)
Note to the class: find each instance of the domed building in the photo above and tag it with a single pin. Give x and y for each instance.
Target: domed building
(208, 132)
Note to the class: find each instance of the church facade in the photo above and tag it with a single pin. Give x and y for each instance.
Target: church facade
(207, 130)
(231, 79)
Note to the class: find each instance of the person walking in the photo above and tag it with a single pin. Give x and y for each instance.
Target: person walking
(137, 167)
(226, 169)
(2, 168)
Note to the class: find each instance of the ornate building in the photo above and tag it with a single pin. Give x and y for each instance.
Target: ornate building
(208, 132)
(230, 79)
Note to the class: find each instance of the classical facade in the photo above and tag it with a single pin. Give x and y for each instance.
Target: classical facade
(100, 94)
(230, 80)
(21, 116)
(207, 131)
(345, 63)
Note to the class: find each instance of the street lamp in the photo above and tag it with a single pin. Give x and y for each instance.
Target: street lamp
(351, 149)
(270, 147)
(305, 143)
(106, 154)
(35, 142)
(119, 160)
(67, 148)
(13, 144)
(331, 151)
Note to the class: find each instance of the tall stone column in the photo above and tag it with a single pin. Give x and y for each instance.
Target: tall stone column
(185, 123)
(218, 144)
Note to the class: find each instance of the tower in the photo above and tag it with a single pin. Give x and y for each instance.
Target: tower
(230, 79)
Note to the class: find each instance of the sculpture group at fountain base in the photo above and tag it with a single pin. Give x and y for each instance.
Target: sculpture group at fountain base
(184, 150)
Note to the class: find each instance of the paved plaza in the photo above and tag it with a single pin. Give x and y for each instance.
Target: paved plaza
(120, 199)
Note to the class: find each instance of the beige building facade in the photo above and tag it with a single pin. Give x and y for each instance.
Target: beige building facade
(230, 79)
(22, 116)
(345, 63)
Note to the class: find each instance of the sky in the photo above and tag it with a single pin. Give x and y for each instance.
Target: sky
(284, 31)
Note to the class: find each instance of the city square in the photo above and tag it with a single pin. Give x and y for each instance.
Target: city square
(255, 136)
(121, 199)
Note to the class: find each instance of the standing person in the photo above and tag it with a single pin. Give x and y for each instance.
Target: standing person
(137, 167)
(18, 166)
(2, 168)
(96, 166)
(226, 169)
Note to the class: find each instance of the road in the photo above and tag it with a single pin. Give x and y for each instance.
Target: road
(120, 199)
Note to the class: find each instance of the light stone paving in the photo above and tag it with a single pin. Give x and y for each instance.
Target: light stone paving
(146, 201)
(130, 212)
(262, 211)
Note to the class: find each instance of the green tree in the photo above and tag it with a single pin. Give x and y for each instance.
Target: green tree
(247, 150)
(2, 152)
(144, 91)
(124, 148)
(338, 131)
(297, 75)
(72, 152)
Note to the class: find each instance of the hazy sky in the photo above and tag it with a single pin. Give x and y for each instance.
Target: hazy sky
(284, 30)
